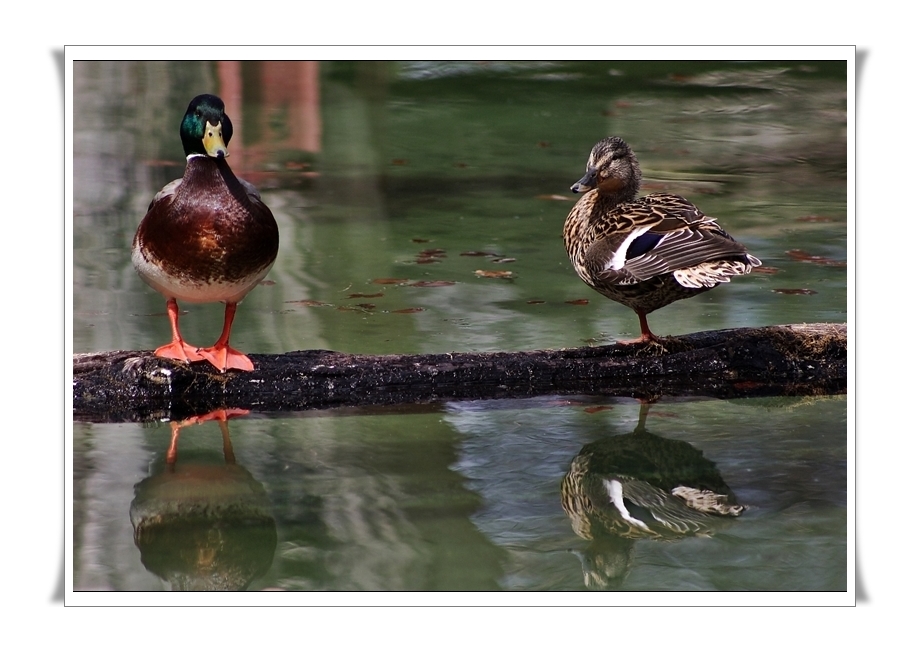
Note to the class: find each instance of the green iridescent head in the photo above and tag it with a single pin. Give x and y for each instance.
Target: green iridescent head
(205, 128)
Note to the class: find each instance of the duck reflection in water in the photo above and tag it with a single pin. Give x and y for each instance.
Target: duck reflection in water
(200, 523)
(640, 486)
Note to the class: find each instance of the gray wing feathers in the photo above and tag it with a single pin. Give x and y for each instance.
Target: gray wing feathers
(677, 250)
(168, 190)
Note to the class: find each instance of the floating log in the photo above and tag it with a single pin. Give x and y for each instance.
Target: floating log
(806, 359)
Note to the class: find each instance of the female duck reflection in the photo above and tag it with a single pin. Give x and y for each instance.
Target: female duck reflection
(640, 486)
(204, 524)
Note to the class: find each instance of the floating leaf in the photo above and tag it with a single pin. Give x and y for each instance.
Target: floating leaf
(361, 295)
(798, 254)
(536, 301)
(311, 303)
(399, 161)
(478, 253)
(389, 281)
(431, 284)
(428, 256)
(794, 291)
(493, 273)
(805, 257)
(764, 269)
(597, 408)
(366, 306)
(420, 240)
(504, 260)
(578, 302)
(404, 311)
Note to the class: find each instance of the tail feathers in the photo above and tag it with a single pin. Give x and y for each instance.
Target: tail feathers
(712, 273)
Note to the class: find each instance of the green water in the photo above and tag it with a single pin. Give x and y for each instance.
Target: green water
(368, 165)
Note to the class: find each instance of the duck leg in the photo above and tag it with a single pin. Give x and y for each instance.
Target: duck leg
(178, 349)
(172, 453)
(221, 415)
(221, 355)
(647, 334)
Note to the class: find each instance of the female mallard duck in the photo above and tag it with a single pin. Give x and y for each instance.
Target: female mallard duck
(206, 237)
(644, 252)
(634, 486)
(641, 485)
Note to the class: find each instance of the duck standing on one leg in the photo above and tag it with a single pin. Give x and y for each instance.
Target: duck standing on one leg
(206, 237)
(644, 252)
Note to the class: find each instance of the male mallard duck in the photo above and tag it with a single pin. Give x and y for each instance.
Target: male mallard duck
(644, 252)
(206, 237)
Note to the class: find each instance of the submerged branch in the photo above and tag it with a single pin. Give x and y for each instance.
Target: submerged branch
(806, 359)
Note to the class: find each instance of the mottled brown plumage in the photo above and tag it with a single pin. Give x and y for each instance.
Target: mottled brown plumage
(644, 252)
(634, 486)
(206, 237)
(644, 486)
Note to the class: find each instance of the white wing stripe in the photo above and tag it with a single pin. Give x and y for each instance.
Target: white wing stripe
(619, 256)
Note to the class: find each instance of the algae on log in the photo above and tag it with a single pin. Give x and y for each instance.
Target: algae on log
(805, 359)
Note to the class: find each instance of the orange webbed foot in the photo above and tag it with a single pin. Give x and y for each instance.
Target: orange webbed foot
(644, 339)
(179, 350)
(226, 357)
(220, 414)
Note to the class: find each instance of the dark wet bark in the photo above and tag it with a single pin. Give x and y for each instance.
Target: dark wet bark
(806, 359)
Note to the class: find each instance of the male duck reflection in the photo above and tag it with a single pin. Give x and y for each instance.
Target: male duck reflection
(206, 237)
(204, 523)
(644, 252)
